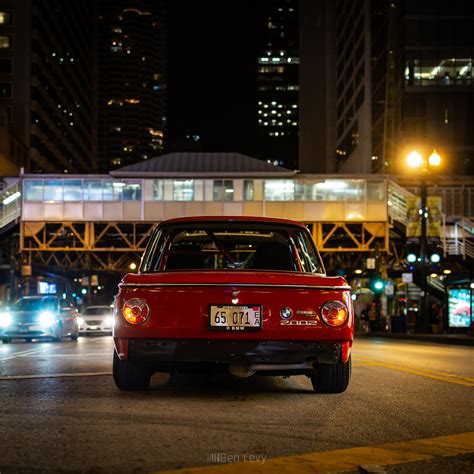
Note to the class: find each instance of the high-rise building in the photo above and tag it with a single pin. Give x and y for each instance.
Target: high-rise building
(131, 81)
(398, 75)
(278, 81)
(47, 86)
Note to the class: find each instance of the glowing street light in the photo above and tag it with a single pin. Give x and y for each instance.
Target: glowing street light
(416, 160)
(133, 266)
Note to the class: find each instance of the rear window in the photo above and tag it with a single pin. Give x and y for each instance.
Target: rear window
(232, 246)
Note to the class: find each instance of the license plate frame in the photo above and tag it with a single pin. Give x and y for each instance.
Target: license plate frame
(239, 327)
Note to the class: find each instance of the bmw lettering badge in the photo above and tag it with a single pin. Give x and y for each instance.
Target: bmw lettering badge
(286, 313)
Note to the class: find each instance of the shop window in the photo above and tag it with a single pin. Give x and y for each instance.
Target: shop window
(6, 18)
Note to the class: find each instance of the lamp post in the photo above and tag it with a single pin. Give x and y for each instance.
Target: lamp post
(416, 161)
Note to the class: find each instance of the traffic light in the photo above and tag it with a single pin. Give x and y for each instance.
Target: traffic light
(377, 284)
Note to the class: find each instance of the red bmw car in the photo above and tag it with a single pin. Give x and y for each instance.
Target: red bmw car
(245, 294)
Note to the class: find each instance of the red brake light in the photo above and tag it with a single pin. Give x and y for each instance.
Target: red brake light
(136, 311)
(334, 313)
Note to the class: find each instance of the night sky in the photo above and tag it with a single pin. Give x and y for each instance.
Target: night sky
(212, 50)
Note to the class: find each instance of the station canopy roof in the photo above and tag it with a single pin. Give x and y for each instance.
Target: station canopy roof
(202, 165)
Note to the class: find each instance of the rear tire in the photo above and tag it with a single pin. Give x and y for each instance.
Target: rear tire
(332, 378)
(74, 336)
(129, 375)
(6, 340)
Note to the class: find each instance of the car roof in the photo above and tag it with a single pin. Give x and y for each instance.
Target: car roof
(268, 220)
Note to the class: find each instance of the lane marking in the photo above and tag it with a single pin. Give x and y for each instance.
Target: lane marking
(432, 374)
(77, 355)
(42, 349)
(53, 376)
(344, 460)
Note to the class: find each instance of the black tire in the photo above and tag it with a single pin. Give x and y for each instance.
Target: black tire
(332, 378)
(74, 336)
(29, 339)
(129, 375)
(6, 340)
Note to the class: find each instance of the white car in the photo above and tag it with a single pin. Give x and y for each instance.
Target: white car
(96, 320)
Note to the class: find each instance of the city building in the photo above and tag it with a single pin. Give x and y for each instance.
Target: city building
(47, 86)
(278, 81)
(392, 76)
(131, 81)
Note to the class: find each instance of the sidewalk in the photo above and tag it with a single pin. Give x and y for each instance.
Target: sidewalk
(455, 339)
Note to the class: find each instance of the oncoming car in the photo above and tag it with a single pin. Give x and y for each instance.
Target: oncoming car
(248, 295)
(95, 320)
(39, 317)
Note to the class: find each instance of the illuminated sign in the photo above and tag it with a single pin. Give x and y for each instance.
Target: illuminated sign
(459, 307)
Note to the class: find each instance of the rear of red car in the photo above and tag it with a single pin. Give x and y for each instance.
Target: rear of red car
(242, 294)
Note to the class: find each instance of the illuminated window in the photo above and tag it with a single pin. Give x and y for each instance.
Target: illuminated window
(5, 42)
(249, 190)
(33, 189)
(183, 190)
(92, 190)
(223, 190)
(53, 190)
(157, 190)
(6, 18)
(73, 190)
(271, 69)
(279, 190)
(132, 191)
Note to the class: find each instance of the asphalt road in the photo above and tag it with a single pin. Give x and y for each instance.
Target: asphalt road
(60, 412)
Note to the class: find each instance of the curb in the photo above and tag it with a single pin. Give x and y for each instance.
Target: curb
(458, 340)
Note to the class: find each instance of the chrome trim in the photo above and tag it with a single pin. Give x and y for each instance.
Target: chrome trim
(232, 285)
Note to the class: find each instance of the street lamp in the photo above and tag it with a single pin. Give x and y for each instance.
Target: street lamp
(416, 161)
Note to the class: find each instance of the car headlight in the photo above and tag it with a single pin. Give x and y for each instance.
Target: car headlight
(46, 318)
(108, 321)
(334, 313)
(5, 320)
(80, 321)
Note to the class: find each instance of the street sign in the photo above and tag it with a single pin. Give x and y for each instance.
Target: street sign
(389, 289)
(370, 263)
(407, 277)
(85, 281)
(94, 280)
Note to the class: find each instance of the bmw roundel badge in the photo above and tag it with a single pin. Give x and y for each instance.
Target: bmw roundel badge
(286, 313)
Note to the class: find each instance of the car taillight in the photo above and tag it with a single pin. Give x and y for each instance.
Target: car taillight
(334, 313)
(135, 311)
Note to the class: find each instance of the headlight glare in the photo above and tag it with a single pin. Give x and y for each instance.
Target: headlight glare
(80, 321)
(46, 319)
(5, 320)
(108, 321)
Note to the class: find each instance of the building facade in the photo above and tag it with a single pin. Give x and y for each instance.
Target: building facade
(132, 82)
(47, 86)
(402, 72)
(278, 81)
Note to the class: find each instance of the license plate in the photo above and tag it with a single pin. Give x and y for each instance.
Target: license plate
(235, 317)
(23, 329)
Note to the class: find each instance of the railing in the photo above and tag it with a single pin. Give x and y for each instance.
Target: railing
(10, 205)
(397, 207)
(461, 240)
